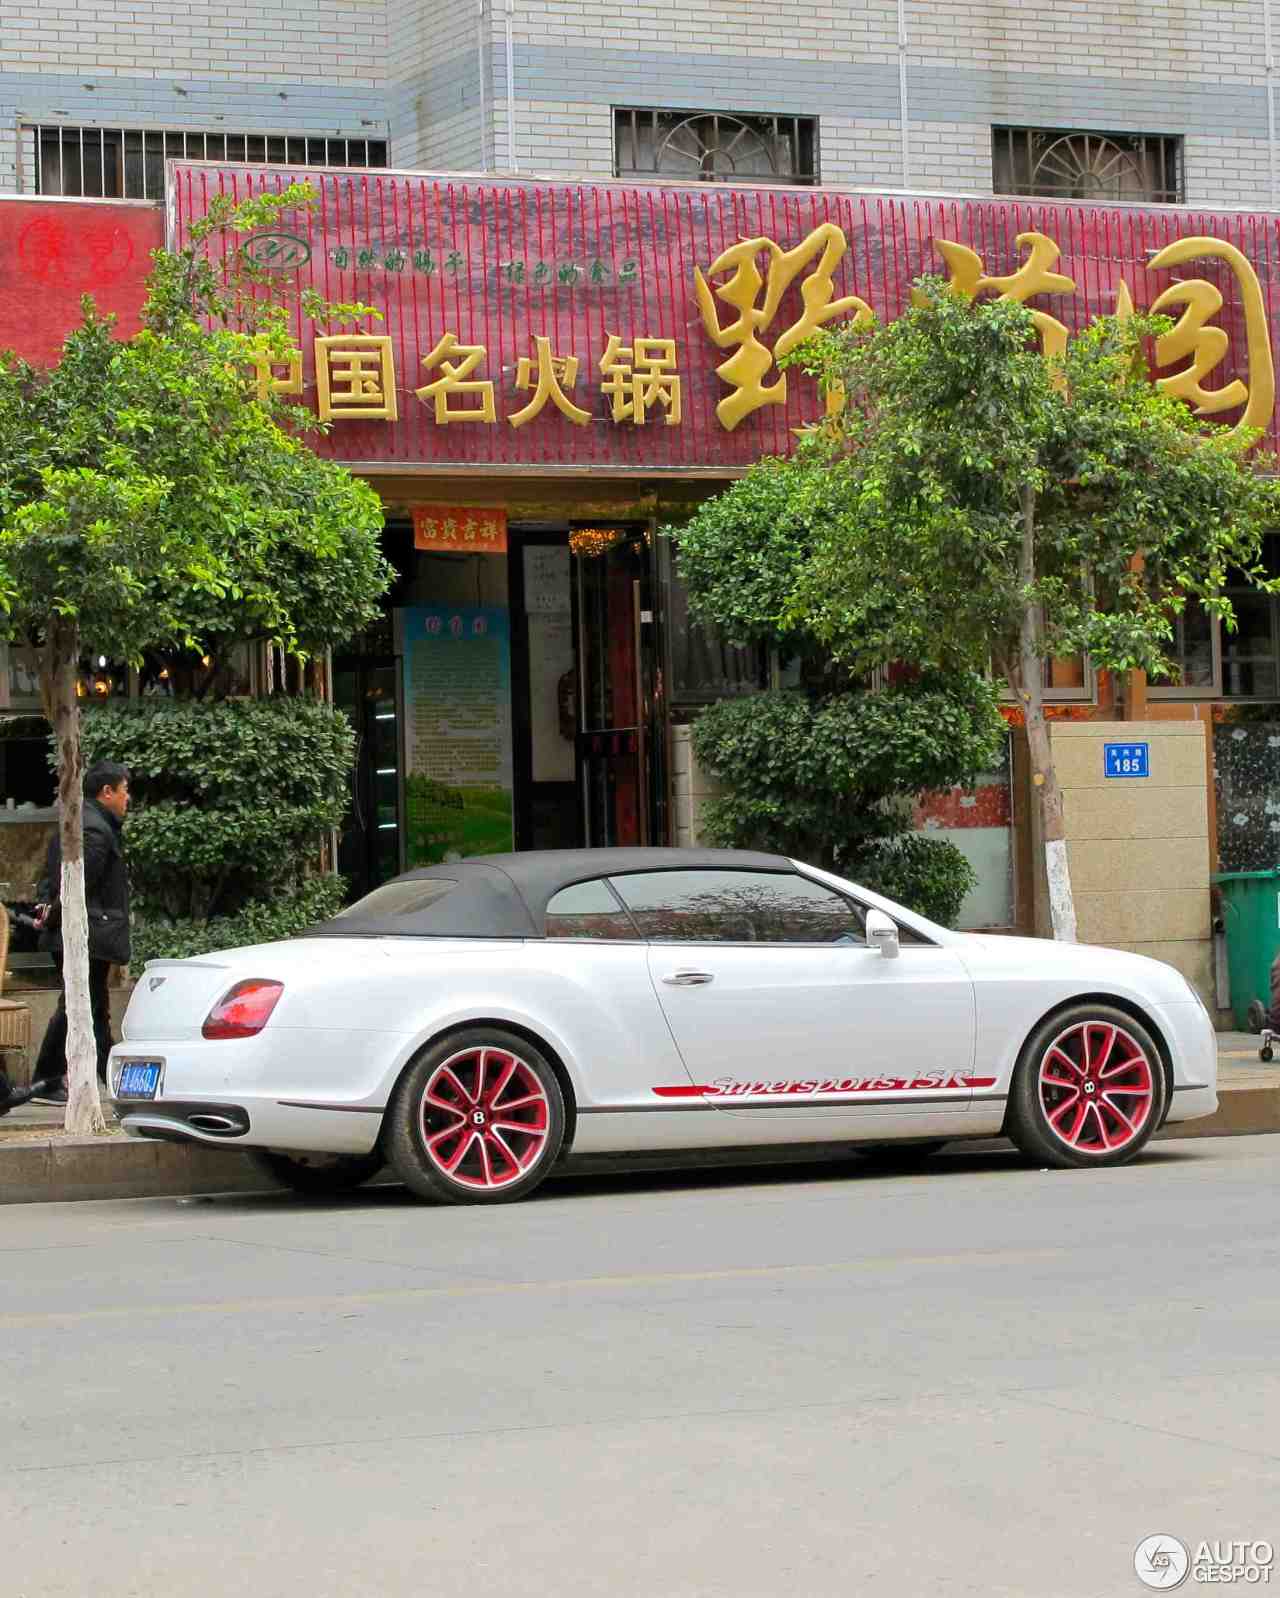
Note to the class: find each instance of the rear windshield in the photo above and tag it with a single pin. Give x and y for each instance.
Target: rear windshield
(401, 898)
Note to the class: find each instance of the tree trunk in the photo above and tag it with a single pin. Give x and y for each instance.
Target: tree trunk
(1062, 910)
(59, 669)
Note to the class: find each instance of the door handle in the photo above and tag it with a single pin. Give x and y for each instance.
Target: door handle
(688, 979)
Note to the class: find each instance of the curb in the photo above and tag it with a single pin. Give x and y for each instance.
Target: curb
(49, 1171)
(1243, 1110)
(52, 1171)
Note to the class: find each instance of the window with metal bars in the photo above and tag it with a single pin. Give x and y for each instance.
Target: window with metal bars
(1075, 164)
(128, 163)
(714, 146)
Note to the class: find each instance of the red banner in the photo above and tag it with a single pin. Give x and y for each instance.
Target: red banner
(55, 251)
(460, 530)
(629, 328)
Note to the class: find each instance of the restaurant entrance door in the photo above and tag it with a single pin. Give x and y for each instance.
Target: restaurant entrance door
(583, 682)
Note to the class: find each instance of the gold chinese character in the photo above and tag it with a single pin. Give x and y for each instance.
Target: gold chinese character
(268, 382)
(639, 376)
(553, 371)
(745, 371)
(453, 379)
(355, 378)
(1208, 345)
(966, 276)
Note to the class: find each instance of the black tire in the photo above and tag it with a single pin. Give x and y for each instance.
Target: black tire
(1256, 1016)
(318, 1174)
(1075, 1102)
(899, 1153)
(492, 1128)
(1265, 1054)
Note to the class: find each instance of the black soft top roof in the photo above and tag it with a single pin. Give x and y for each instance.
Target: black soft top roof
(506, 895)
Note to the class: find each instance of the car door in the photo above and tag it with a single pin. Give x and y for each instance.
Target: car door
(778, 1005)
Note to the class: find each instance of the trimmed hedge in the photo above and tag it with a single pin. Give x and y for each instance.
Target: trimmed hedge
(230, 801)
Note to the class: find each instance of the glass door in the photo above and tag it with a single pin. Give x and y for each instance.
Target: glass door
(369, 849)
(614, 619)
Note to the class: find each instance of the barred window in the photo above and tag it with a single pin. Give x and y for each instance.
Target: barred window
(714, 146)
(1074, 164)
(128, 163)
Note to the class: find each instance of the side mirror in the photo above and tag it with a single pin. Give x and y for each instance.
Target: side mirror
(882, 934)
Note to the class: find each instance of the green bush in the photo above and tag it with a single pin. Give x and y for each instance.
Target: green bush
(928, 875)
(231, 799)
(261, 921)
(826, 780)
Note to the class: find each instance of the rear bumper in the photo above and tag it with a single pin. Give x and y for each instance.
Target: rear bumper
(197, 1120)
(253, 1122)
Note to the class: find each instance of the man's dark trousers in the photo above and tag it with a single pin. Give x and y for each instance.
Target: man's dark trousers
(53, 1051)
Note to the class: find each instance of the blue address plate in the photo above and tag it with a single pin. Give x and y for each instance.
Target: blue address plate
(139, 1079)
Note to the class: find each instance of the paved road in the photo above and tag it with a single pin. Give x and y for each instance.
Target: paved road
(987, 1379)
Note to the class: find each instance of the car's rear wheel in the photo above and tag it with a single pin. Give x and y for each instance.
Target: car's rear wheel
(477, 1119)
(318, 1174)
(1089, 1089)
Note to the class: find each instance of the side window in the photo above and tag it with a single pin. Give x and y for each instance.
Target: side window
(588, 910)
(738, 907)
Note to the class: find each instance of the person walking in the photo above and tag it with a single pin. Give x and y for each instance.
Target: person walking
(106, 893)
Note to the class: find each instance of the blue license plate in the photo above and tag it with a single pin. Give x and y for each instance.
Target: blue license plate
(139, 1079)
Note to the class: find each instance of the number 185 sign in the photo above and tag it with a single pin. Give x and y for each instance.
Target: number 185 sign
(1127, 760)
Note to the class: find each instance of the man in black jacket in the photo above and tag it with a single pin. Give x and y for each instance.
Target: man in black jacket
(106, 892)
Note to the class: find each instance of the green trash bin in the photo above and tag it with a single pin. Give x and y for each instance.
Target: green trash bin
(1251, 916)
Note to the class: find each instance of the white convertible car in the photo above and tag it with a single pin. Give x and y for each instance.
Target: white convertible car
(472, 1024)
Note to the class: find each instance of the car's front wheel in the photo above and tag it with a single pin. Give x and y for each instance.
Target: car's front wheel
(1089, 1089)
(478, 1118)
(318, 1174)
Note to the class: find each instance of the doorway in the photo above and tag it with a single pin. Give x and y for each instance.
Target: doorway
(369, 849)
(584, 684)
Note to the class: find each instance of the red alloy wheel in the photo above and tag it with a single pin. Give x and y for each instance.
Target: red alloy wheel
(1096, 1087)
(485, 1118)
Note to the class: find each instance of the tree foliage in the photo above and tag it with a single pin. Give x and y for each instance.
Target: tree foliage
(972, 503)
(151, 500)
(823, 774)
(955, 426)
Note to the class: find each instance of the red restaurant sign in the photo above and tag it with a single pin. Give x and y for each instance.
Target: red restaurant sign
(459, 530)
(631, 328)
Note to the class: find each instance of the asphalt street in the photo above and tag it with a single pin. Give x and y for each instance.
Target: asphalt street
(982, 1378)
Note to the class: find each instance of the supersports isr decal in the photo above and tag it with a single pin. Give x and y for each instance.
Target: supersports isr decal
(728, 1087)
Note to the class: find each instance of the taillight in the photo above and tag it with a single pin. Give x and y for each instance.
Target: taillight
(244, 1010)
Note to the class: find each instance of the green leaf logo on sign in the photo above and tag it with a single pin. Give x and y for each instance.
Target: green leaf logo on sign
(277, 252)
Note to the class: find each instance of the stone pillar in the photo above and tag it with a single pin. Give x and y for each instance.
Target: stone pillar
(690, 789)
(1138, 847)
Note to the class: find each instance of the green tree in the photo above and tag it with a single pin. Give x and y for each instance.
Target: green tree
(149, 500)
(977, 504)
(825, 773)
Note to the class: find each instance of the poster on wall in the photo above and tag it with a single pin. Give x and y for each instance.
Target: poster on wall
(457, 727)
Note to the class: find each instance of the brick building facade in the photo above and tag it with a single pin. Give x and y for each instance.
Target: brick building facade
(977, 96)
